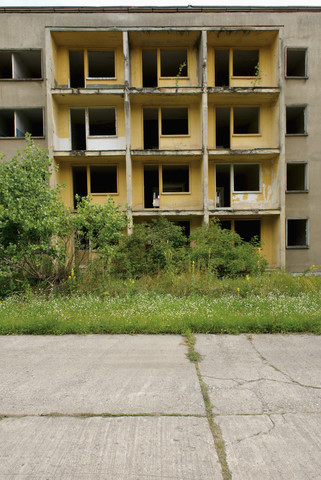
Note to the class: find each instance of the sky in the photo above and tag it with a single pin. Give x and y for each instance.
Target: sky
(145, 3)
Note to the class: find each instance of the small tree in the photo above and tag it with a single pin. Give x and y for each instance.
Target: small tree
(224, 252)
(100, 226)
(34, 224)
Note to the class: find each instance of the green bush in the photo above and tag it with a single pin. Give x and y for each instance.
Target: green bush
(34, 223)
(224, 253)
(151, 247)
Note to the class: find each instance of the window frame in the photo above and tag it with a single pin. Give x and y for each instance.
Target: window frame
(232, 112)
(160, 120)
(161, 183)
(15, 111)
(232, 74)
(306, 177)
(305, 119)
(295, 77)
(297, 247)
(27, 79)
(89, 77)
(87, 121)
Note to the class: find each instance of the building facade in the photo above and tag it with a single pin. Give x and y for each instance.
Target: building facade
(192, 113)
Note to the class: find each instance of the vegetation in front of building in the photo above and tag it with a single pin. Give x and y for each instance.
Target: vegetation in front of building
(152, 281)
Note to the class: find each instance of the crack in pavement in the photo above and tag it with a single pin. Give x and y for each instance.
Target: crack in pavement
(266, 362)
(258, 434)
(242, 381)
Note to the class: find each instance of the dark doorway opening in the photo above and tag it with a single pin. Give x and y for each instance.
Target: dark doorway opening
(149, 68)
(223, 186)
(78, 129)
(76, 68)
(79, 181)
(151, 185)
(223, 128)
(151, 140)
(222, 71)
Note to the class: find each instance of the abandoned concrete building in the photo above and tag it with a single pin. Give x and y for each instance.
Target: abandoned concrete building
(189, 112)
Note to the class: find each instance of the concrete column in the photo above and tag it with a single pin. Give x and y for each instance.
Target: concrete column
(204, 124)
(282, 161)
(128, 131)
(49, 125)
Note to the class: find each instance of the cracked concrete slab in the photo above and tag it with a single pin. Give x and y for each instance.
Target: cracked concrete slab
(126, 448)
(243, 380)
(273, 446)
(97, 374)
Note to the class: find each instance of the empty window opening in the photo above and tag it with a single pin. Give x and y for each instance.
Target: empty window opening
(29, 120)
(5, 65)
(222, 128)
(78, 129)
(297, 233)
(175, 178)
(296, 177)
(21, 65)
(7, 123)
(151, 186)
(26, 65)
(76, 68)
(103, 179)
(173, 63)
(245, 63)
(185, 226)
(295, 120)
(249, 230)
(174, 121)
(295, 63)
(151, 136)
(222, 69)
(246, 120)
(223, 186)
(102, 121)
(246, 178)
(225, 224)
(149, 68)
(79, 181)
(101, 64)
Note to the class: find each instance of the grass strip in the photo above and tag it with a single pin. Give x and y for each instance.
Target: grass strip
(160, 314)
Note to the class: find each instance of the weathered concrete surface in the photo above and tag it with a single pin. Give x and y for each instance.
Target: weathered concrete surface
(97, 374)
(123, 448)
(266, 394)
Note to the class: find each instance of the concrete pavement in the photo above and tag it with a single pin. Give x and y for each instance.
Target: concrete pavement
(134, 407)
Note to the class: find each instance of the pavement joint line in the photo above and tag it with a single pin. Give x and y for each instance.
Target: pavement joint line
(215, 429)
(250, 339)
(102, 415)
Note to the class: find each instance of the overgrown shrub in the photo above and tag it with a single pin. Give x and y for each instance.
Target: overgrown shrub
(34, 223)
(224, 253)
(151, 247)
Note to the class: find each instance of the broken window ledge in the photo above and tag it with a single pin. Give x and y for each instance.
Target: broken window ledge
(101, 78)
(296, 134)
(297, 191)
(245, 192)
(247, 77)
(246, 134)
(164, 135)
(305, 77)
(176, 77)
(21, 79)
(20, 138)
(102, 136)
(103, 194)
(176, 193)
